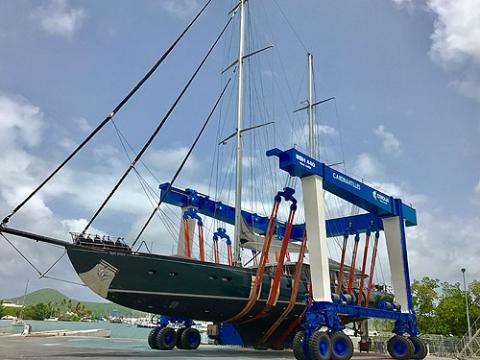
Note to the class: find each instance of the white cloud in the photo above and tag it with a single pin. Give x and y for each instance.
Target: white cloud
(83, 124)
(181, 8)
(435, 242)
(390, 142)
(456, 36)
(19, 119)
(325, 130)
(367, 167)
(67, 144)
(21, 128)
(476, 193)
(456, 42)
(57, 18)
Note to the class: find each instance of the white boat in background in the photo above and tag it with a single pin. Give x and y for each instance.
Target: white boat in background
(51, 319)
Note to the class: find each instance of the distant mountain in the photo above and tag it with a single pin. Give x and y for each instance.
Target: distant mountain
(51, 295)
(41, 296)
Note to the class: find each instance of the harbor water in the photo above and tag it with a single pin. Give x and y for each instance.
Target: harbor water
(119, 331)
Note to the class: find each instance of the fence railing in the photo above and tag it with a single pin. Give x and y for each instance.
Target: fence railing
(467, 348)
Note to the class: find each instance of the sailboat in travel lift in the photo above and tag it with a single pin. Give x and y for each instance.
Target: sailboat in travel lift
(265, 302)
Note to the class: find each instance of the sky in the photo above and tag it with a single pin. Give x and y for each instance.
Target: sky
(405, 75)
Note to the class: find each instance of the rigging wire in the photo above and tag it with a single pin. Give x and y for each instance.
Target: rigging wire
(123, 140)
(291, 26)
(44, 276)
(109, 116)
(63, 280)
(150, 193)
(21, 254)
(53, 265)
(182, 164)
(160, 125)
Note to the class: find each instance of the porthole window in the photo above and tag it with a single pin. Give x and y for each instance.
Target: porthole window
(226, 278)
(152, 272)
(213, 277)
(173, 273)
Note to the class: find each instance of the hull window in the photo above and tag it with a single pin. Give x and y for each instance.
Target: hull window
(173, 273)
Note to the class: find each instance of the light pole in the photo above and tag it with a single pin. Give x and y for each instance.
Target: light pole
(466, 305)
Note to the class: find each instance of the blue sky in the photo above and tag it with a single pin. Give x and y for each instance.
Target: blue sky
(405, 75)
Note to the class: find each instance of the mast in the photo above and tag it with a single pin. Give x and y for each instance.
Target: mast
(238, 178)
(23, 302)
(311, 115)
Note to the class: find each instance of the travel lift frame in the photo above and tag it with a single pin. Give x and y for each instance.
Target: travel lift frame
(313, 342)
(383, 213)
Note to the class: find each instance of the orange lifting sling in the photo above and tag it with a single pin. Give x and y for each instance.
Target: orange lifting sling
(221, 233)
(256, 288)
(192, 213)
(278, 343)
(352, 268)
(293, 294)
(201, 245)
(364, 267)
(215, 251)
(372, 268)
(275, 288)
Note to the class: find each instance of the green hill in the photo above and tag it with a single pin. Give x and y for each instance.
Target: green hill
(54, 296)
(41, 296)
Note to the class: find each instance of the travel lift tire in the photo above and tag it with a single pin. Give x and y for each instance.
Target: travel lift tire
(152, 338)
(166, 338)
(179, 338)
(320, 346)
(297, 346)
(190, 339)
(400, 348)
(419, 348)
(342, 346)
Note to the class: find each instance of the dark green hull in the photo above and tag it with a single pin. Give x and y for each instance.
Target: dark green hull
(181, 287)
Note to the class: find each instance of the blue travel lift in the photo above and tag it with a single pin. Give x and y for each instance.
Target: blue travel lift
(322, 337)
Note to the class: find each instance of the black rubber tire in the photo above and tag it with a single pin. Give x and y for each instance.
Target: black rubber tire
(152, 338)
(342, 346)
(320, 346)
(297, 346)
(400, 348)
(179, 338)
(190, 339)
(166, 338)
(419, 348)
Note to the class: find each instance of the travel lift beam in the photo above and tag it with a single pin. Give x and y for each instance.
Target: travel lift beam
(316, 177)
(184, 199)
